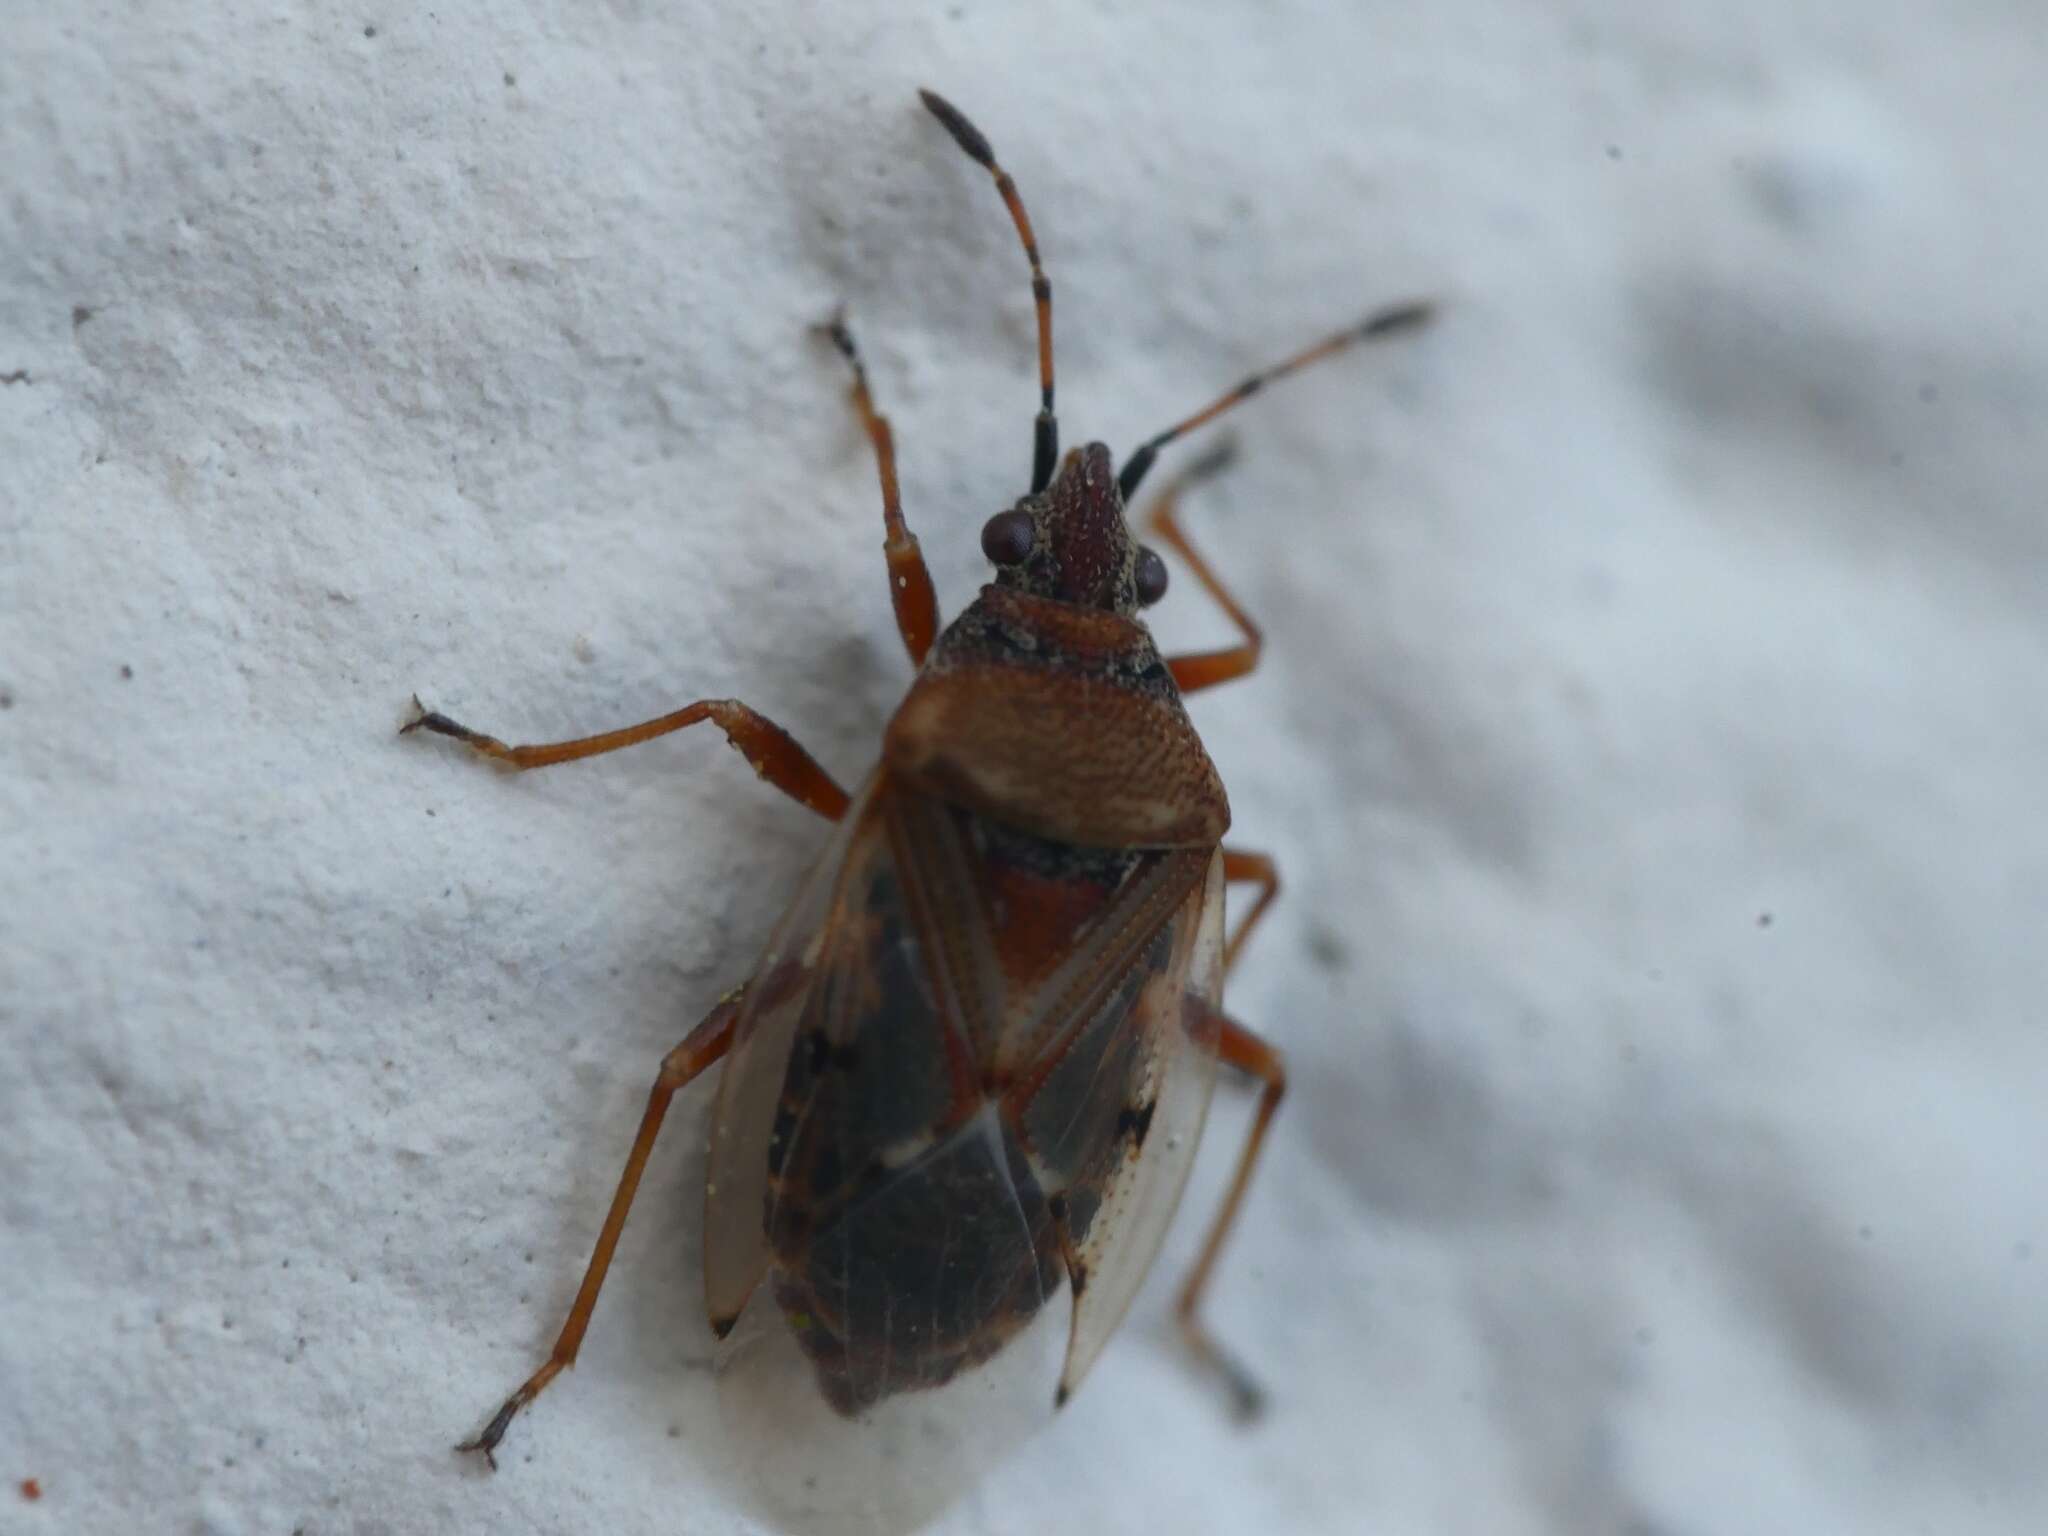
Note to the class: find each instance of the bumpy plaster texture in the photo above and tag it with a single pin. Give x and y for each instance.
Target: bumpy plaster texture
(1652, 731)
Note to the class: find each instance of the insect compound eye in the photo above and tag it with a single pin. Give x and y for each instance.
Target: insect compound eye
(1150, 577)
(1007, 538)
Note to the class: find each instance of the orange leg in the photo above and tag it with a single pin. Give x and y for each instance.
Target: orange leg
(910, 584)
(706, 1044)
(1206, 668)
(1240, 1048)
(1254, 869)
(772, 751)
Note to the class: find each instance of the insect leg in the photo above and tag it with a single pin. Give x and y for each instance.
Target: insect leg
(700, 1049)
(1206, 668)
(1391, 321)
(1240, 1048)
(1255, 869)
(772, 751)
(910, 584)
(1045, 443)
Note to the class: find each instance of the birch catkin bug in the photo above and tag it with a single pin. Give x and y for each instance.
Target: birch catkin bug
(972, 1065)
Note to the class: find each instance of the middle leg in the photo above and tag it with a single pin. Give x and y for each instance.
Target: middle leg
(1204, 669)
(771, 751)
(1240, 866)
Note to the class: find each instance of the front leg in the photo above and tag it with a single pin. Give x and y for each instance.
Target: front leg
(910, 584)
(1206, 668)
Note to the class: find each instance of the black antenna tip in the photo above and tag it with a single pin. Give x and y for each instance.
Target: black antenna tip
(1219, 458)
(1397, 318)
(965, 134)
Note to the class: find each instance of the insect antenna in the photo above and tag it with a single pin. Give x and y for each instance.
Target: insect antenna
(1391, 321)
(1045, 447)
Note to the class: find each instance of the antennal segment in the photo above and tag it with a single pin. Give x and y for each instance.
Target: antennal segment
(1046, 439)
(1391, 321)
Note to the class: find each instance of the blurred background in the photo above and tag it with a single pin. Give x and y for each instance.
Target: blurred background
(1650, 735)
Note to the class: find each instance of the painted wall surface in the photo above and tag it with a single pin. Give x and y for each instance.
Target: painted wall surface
(1651, 733)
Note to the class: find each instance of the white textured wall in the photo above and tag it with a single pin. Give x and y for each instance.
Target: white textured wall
(1653, 733)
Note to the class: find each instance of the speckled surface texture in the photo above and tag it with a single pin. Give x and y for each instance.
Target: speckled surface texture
(1652, 731)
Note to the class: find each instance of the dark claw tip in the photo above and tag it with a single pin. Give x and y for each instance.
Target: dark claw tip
(1399, 317)
(415, 718)
(1247, 1397)
(1217, 458)
(834, 330)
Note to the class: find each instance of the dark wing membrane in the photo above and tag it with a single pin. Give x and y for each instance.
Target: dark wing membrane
(1120, 1113)
(909, 1239)
(812, 941)
(853, 1158)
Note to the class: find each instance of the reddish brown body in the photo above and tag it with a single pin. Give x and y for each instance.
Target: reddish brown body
(1059, 719)
(971, 1068)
